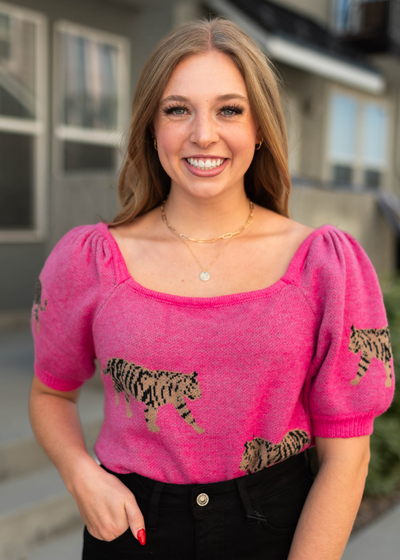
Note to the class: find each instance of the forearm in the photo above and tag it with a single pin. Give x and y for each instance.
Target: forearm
(107, 506)
(329, 512)
(56, 425)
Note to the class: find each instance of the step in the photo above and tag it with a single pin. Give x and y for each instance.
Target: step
(64, 546)
(19, 457)
(32, 507)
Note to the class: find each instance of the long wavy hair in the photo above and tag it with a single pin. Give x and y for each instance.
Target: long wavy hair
(143, 183)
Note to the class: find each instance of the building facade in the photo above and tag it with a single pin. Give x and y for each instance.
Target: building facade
(67, 72)
(339, 63)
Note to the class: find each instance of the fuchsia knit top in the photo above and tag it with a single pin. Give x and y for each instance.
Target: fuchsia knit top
(201, 390)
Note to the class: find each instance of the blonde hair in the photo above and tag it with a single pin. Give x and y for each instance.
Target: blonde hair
(143, 183)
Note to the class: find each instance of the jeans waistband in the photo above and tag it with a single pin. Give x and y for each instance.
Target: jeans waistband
(246, 490)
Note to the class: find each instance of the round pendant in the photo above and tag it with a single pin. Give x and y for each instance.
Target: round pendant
(204, 276)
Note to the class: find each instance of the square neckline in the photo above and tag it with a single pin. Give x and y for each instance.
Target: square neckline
(288, 277)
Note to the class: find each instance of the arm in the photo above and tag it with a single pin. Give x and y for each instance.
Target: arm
(332, 504)
(107, 506)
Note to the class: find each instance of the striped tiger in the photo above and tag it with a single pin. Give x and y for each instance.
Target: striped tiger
(260, 453)
(37, 304)
(154, 388)
(374, 343)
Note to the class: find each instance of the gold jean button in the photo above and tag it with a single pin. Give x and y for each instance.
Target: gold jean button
(202, 499)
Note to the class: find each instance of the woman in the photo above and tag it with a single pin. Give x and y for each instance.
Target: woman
(217, 375)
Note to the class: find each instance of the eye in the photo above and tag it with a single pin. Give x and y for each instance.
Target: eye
(232, 110)
(177, 110)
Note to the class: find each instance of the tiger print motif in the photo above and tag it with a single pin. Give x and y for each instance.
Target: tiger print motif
(154, 388)
(260, 453)
(374, 343)
(37, 304)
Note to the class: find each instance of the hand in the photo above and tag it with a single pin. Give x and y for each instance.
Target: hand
(106, 505)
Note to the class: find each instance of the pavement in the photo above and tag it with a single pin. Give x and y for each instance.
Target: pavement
(380, 540)
(32, 494)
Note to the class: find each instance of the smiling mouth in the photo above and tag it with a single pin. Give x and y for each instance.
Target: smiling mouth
(205, 164)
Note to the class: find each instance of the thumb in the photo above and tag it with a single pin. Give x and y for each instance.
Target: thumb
(136, 520)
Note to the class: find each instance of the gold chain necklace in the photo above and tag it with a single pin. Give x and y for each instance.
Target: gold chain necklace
(249, 221)
(205, 275)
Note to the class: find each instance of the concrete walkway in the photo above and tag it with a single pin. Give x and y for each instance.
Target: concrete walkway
(379, 541)
(38, 518)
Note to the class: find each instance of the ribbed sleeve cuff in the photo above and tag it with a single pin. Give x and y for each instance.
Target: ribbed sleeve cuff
(55, 382)
(353, 426)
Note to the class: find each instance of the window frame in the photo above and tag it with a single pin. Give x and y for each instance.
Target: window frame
(37, 128)
(344, 29)
(102, 137)
(357, 163)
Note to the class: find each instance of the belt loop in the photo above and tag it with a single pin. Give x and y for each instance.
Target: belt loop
(244, 495)
(154, 503)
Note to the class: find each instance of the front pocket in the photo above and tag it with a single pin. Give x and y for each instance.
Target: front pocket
(282, 510)
(124, 535)
(124, 547)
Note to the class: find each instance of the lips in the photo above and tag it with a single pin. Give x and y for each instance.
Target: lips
(205, 171)
(205, 163)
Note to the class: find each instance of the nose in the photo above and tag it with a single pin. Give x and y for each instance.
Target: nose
(204, 132)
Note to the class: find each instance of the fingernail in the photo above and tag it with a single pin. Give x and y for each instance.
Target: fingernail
(141, 536)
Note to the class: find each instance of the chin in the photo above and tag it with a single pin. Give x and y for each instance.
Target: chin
(205, 191)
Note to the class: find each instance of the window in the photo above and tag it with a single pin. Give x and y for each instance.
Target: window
(358, 131)
(91, 94)
(342, 15)
(347, 15)
(22, 123)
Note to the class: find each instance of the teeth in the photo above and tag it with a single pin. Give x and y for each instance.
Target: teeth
(208, 164)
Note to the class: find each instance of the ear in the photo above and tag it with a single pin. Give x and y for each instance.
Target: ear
(352, 328)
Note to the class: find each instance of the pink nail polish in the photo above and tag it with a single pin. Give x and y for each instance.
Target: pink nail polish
(141, 536)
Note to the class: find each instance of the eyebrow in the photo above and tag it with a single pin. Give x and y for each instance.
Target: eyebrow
(225, 97)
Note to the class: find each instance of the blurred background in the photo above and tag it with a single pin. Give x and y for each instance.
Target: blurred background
(67, 73)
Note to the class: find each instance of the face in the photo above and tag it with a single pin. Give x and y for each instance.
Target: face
(206, 134)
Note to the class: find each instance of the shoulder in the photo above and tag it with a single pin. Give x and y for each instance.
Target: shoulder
(332, 248)
(82, 238)
(283, 234)
(331, 263)
(82, 255)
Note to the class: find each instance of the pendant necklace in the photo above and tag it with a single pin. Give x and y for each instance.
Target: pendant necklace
(205, 275)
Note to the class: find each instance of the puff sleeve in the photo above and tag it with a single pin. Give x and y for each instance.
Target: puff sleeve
(351, 378)
(71, 286)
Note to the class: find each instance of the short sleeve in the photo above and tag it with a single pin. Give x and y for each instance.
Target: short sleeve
(69, 291)
(351, 376)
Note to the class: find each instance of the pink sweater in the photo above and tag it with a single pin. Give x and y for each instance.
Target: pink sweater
(202, 390)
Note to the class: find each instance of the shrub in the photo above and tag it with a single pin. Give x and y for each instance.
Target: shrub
(384, 469)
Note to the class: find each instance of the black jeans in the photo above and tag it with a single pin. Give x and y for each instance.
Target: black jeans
(248, 518)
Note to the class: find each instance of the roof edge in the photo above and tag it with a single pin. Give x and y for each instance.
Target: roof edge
(302, 56)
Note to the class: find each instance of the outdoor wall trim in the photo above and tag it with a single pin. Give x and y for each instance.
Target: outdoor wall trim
(36, 127)
(293, 54)
(21, 236)
(91, 136)
(113, 137)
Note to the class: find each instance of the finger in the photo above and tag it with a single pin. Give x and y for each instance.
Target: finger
(136, 520)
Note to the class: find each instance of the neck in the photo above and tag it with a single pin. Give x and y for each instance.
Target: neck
(204, 218)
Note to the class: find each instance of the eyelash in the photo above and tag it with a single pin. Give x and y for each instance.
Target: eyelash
(236, 108)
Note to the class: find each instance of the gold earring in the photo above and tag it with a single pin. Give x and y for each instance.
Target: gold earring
(258, 146)
(155, 144)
